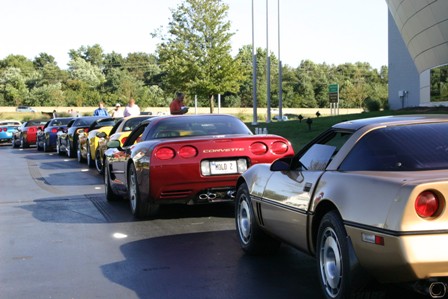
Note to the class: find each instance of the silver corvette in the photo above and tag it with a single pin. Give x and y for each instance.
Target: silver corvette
(367, 198)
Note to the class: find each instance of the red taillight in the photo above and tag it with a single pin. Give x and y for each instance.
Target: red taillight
(123, 140)
(279, 147)
(188, 152)
(54, 130)
(5, 129)
(427, 204)
(258, 148)
(164, 153)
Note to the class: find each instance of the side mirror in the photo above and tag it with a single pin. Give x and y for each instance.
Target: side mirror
(282, 164)
(101, 135)
(113, 144)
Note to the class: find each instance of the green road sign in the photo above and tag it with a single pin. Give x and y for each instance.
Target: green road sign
(333, 88)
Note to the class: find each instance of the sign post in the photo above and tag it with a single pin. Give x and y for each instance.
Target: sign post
(333, 95)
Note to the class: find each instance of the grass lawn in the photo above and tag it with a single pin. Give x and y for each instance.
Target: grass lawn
(299, 133)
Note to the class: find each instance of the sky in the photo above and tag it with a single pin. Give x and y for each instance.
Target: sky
(330, 31)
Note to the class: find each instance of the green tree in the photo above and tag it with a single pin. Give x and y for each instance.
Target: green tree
(93, 54)
(195, 54)
(13, 85)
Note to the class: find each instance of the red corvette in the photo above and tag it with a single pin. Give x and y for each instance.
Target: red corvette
(26, 134)
(189, 159)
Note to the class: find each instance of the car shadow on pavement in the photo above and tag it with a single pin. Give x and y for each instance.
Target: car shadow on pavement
(93, 208)
(211, 265)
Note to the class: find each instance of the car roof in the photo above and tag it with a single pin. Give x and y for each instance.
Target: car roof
(354, 125)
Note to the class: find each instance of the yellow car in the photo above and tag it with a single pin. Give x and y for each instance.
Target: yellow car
(120, 131)
(88, 140)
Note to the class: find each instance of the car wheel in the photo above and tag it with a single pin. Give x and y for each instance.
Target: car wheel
(90, 162)
(23, 143)
(38, 147)
(70, 149)
(79, 155)
(110, 195)
(15, 143)
(99, 162)
(141, 208)
(45, 147)
(58, 147)
(333, 258)
(252, 239)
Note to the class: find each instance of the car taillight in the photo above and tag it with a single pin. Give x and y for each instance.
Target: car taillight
(258, 148)
(123, 140)
(188, 152)
(165, 153)
(279, 147)
(4, 129)
(54, 130)
(427, 204)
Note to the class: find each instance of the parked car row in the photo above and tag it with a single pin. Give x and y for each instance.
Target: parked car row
(156, 160)
(367, 198)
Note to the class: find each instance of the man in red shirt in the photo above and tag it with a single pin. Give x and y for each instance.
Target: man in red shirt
(177, 105)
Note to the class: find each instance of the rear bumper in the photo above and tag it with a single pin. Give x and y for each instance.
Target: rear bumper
(403, 258)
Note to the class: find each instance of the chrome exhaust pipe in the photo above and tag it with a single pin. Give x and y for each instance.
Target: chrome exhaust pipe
(211, 196)
(203, 196)
(437, 289)
(231, 194)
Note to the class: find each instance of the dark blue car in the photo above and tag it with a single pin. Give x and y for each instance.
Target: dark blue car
(47, 138)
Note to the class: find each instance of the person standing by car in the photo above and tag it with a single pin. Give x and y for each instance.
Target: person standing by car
(117, 112)
(100, 111)
(131, 109)
(177, 105)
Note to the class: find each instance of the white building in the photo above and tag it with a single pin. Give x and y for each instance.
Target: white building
(418, 42)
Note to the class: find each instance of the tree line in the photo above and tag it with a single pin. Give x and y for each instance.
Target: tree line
(193, 56)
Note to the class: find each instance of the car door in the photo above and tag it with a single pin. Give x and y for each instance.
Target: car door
(287, 195)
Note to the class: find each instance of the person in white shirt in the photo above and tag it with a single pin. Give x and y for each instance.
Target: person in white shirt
(131, 109)
(117, 112)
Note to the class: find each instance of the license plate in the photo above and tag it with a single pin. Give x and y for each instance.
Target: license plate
(223, 167)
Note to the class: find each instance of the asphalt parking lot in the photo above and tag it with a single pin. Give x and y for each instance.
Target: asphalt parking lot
(60, 238)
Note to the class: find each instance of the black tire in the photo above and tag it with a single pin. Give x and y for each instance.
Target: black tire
(23, 143)
(38, 147)
(58, 148)
(46, 148)
(70, 148)
(79, 156)
(99, 162)
(253, 240)
(14, 143)
(336, 278)
(141, 208)
(110, 195)
(90, 161)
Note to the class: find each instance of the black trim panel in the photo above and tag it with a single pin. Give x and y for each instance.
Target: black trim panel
(279, 205)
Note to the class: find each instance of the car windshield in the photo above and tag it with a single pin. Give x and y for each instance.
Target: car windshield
(59, 122)
(132, 123)
(401, 148)
(33, 123)
(199, 126)
(83, 122)
(106, 123)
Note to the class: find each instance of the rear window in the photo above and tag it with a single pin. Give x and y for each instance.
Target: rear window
(199, 126)
(401, 148)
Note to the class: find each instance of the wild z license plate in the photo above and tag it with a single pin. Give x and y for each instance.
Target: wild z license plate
(223, 167)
